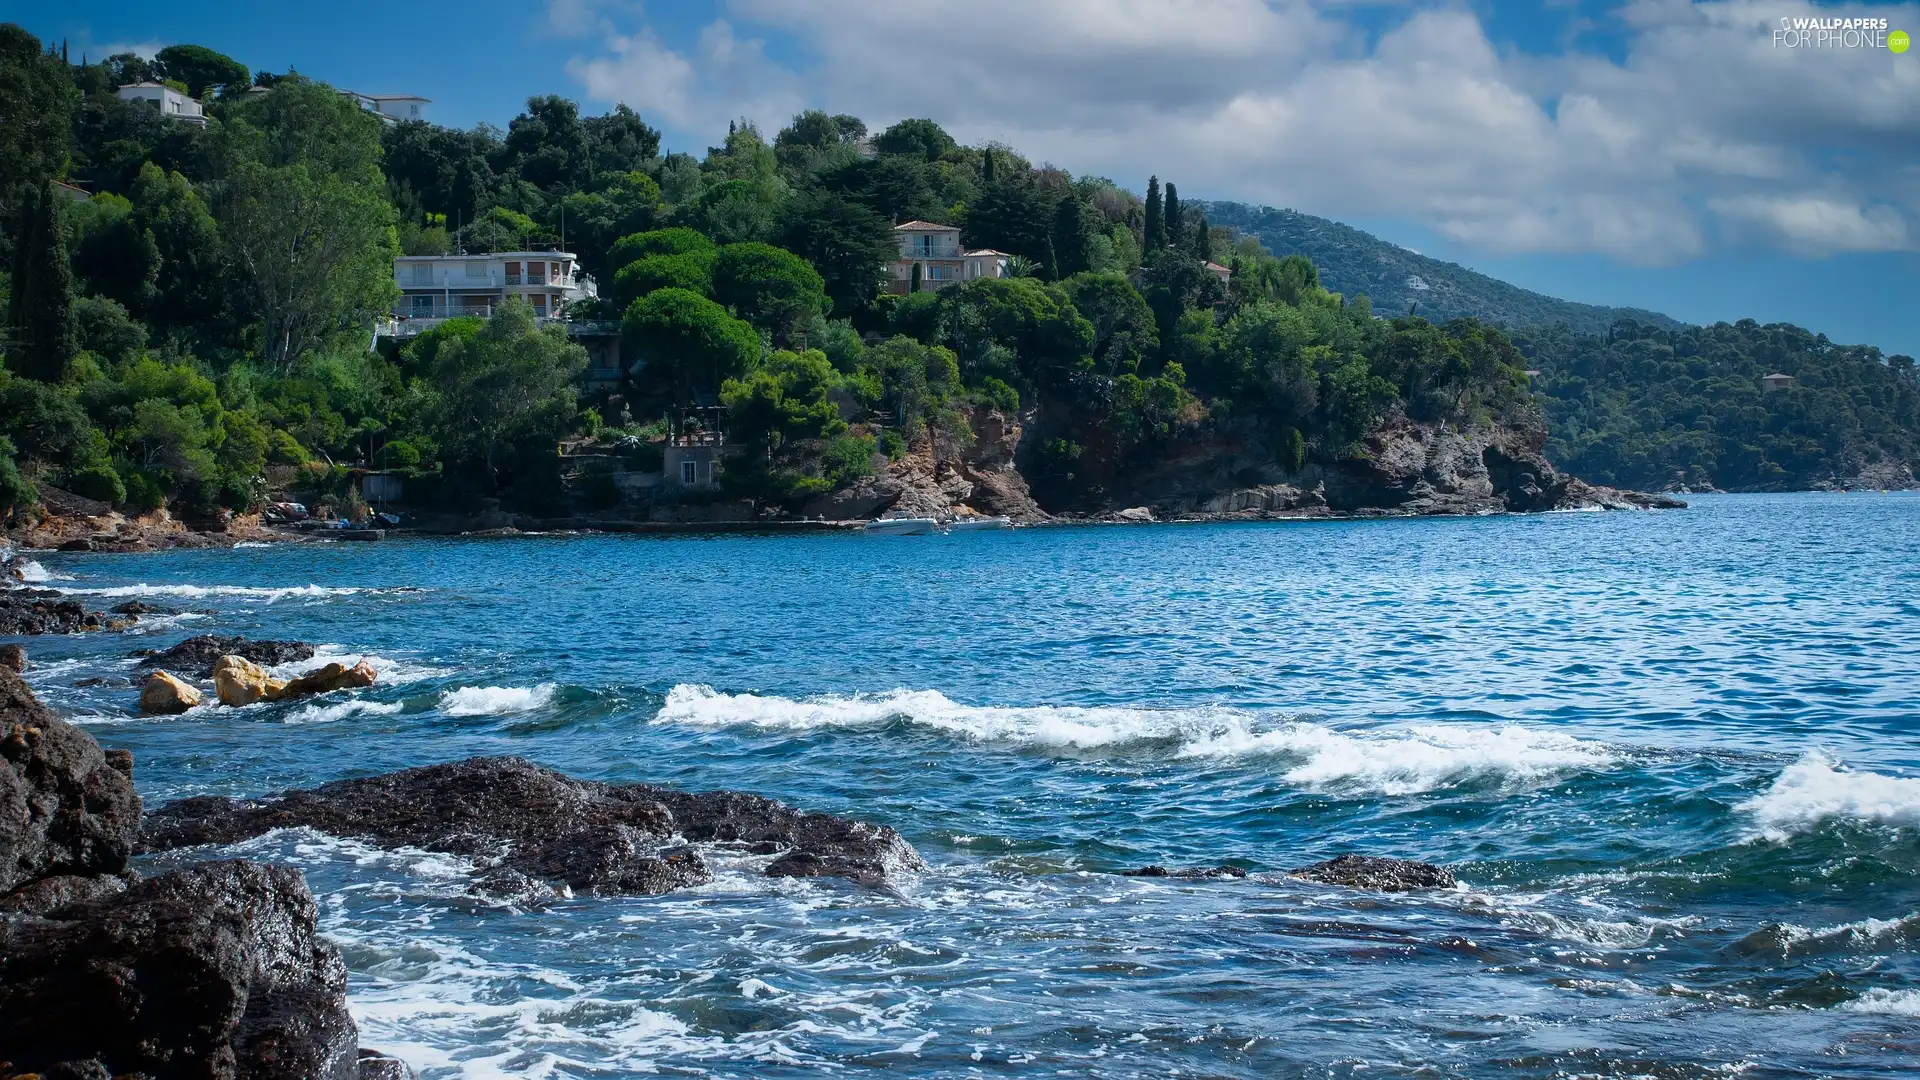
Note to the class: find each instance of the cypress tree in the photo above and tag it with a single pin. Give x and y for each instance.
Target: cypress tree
(986, 168)
(1202, 239)
(1174, 222)
(42, 308)
(913, 284)
(1067, 247)
(1154, 236)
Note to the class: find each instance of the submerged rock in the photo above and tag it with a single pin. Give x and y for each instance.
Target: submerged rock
(211, 971)
(165, 695)
(529, 828)
(1373, 872)
(328, 678)
(65, 806)
(197, 655)
(141, 607)
(1192, 872)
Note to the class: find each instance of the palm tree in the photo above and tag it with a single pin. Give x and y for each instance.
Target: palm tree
(1021, 266)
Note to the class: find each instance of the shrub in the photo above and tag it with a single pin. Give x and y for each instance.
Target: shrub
(893, 445)
(400, 454)
(145, 493)
(996, 394)
(848, 458)
(98, 482)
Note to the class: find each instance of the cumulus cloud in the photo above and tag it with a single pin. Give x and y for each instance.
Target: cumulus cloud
(1695, 133)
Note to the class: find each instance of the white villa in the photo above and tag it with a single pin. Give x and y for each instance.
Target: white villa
(437, 287)
(168, 101)
(936, 250)
(390, 108)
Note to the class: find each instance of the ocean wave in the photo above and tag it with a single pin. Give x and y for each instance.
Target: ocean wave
(32, 573)
(390, 672)
(495, 700)
(245, 592)
(1788, 939)
(332, 712)
(1886, 1002)
(1815, 790)
(1394, 761)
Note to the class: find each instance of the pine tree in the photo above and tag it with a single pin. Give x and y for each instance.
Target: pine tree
(1203, 239)
(1174, 221)
(1154, 236)
(42, 309)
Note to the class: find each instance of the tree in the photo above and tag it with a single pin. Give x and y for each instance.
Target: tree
(41, 312)
(813, 136)
(1175, 222)
(39, 98)
(920, 138)
(1124, 334)
(1202, 238)
(1072, 232)
(192, 288)
(846, 242)
(771, 288)
(782, 401)
(112, 255)
(1155, 235)
(620, 143)
(549, 147)
(509, 386)
(200, 68)
(691, 272)
(687, 342)
(318, 251)
(449, 171)
(306, 217)
(675, 241)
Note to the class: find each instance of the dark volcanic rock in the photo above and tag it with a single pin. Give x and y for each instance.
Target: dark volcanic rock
(1187, 872)
(195, 656)
(1372, 872)
(524, 825)
(375, 1065)
(43, 611)
(13, 658)
(60, 890)
(141, 607)
(64, 807)
(215, 971)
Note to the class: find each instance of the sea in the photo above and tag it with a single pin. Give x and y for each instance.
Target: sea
(1672, 757)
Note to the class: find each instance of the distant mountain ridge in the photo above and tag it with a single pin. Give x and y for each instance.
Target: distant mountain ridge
(1354, 263)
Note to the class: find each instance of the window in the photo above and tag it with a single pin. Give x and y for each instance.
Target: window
(423, 305)
(419, 273)
(536, 272)
(476, 270)
(413, 110)
(688, 471)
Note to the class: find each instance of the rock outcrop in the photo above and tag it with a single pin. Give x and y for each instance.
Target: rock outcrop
(164, 694)
(533, 833)
(239, 681)
(1373, 872)
(197, 655)
(43, 611)
(211, 971)
(66, 807)
(214, 972)
(13, 658)
(946, 482)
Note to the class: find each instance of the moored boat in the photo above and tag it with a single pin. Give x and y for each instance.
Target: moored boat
(900, 526)
(980, 524)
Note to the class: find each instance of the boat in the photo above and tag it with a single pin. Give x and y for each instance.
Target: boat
(900, 526)
(979, 524)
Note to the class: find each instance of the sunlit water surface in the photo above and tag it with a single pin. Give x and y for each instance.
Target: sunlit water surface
(1672, 758)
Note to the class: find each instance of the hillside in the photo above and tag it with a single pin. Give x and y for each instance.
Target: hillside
(1354, 263)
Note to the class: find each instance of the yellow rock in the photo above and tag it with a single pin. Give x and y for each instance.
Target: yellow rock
(334, 676)
(166, 695)
(239, 681)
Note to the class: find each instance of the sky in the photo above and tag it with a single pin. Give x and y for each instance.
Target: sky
(1666, 154)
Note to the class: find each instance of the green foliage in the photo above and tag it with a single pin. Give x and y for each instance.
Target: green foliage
(892, 444)
(1650, 407)
(504, 395)
(769, 287)
(199, 69)
(687, 342)
(15, 492)
(848, 243)
(98, 482)
(920, 138)
(693, 273)
(675, 241)
(41, 300)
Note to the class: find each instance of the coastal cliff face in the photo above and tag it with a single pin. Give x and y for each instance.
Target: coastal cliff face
(1401, 468)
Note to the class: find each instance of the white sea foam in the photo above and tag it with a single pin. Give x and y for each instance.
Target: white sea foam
(390, 672)
(1886, 1002)
(1390, 761)
(330, 712)
(1815, 790)
(32, 573)
(495, 700)
(244, 592)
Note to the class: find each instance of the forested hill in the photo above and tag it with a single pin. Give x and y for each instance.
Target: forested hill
(1656, 408)
(1354, 263)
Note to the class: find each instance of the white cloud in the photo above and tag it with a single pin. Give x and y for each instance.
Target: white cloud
(143, 49)
(1701, 134)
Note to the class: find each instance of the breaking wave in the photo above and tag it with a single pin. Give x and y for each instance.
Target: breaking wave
(1394, 761)
(1814, 791)
(331, 712)
(495, 700)
(1886, 1002)
(245, 592)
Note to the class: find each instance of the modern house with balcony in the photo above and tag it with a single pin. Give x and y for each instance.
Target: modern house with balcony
(936, 250)
(166, 100)
(435, 288)
(390, 108)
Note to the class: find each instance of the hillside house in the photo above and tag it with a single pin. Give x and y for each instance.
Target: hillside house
(1775, 381)
(165, 100)
(936, 250)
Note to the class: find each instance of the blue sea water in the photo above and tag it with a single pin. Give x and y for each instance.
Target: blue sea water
(1673, 758)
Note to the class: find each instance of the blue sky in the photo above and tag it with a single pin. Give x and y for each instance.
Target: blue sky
(1656, 153)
